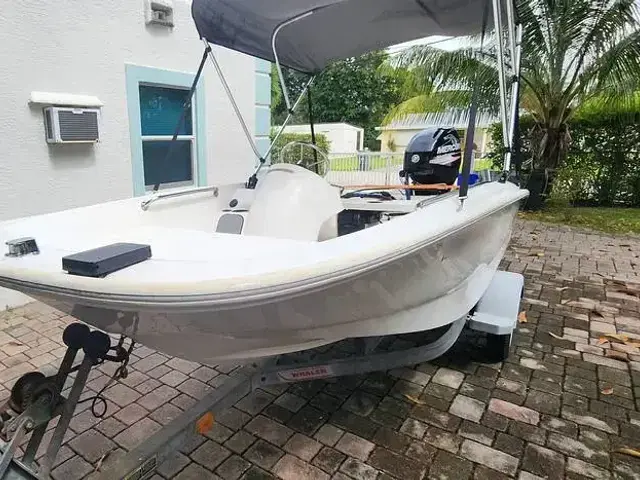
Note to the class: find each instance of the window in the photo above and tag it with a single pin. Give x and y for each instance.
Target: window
(155, 98)
(160, 111)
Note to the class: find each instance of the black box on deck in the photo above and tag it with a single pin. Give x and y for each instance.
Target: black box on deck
(101, 261)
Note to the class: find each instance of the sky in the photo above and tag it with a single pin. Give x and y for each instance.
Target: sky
(446, 43)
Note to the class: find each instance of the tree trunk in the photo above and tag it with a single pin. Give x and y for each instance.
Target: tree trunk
(549, 151)
(553, 151)
(538, 186)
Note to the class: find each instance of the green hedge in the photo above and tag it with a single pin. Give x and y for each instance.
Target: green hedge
(603, 162)
(295, 154)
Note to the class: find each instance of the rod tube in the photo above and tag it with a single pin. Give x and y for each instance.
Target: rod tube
(468, 152)
(497, 20)
(467, 159)
(225, 85)
(515, 91)
(511, 28)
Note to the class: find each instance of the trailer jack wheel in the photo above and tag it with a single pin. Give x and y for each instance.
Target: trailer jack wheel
(22, 393)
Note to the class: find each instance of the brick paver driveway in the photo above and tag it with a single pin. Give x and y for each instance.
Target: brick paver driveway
(560, 407)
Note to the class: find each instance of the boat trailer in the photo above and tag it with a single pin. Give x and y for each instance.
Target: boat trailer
(36, 399)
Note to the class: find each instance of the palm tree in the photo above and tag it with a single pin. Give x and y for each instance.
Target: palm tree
(576, 53)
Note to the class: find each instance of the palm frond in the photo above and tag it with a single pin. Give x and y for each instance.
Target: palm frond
(604, 24)
(613, 78)
(531, 103)
(454, 70)
(439, 102)
(624, 107)
(620, 65)
(532, 32)
(574, 52)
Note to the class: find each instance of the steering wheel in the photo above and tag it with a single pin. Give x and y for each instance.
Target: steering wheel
(322, 163)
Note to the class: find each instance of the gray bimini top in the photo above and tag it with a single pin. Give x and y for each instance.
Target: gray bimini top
(332, 29)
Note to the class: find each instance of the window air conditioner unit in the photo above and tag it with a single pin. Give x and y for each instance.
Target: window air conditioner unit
(72, 125)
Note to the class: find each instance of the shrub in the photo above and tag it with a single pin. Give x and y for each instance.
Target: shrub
(296, 153)
(602, 167)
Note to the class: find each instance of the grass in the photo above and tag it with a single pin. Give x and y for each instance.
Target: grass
(350, 163)
(618, 221)
(483, 164)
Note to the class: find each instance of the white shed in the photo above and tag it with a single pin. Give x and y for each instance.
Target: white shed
(125, 66)
(395, 136)
(343, 137)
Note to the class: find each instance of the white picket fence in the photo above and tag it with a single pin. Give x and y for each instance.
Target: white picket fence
(361, 168)
(364, 168)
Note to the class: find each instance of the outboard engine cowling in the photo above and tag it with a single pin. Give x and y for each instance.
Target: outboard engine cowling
(433, 156)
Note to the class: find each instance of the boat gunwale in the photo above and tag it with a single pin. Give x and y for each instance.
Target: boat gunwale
(249, 296)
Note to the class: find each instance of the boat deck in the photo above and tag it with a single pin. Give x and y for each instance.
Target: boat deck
(464, 414)
(193, 260)
(390, 206)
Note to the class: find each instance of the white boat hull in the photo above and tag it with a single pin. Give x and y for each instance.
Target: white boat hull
(442, 281)
(439, 275)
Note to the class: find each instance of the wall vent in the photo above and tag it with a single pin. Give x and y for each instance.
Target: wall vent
(72, 125)
(159, 12)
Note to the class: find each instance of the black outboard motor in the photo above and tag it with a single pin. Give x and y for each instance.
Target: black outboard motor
(433, 156)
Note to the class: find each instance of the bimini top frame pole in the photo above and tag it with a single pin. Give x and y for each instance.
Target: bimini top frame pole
(290, 114)
(285, 92)
(255, 27)
(515, 91)
(225, 85)
(253, 180)
(261, 158)
(508, 108)
(497, 19)
(506, 72)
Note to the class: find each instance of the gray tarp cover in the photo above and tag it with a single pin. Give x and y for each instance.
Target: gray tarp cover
(336, 30)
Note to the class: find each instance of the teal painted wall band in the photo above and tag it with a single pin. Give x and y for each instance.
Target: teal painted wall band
(135, 75)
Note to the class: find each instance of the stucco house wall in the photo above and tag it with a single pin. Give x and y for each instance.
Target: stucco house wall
(102, 49)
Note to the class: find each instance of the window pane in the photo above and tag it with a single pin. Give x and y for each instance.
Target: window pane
(160, 110)
(177, 168)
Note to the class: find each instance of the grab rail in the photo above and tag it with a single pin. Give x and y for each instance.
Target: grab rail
(145, 204)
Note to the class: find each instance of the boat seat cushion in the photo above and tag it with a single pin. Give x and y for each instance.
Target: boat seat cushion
(230, 222)
(294, 203)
